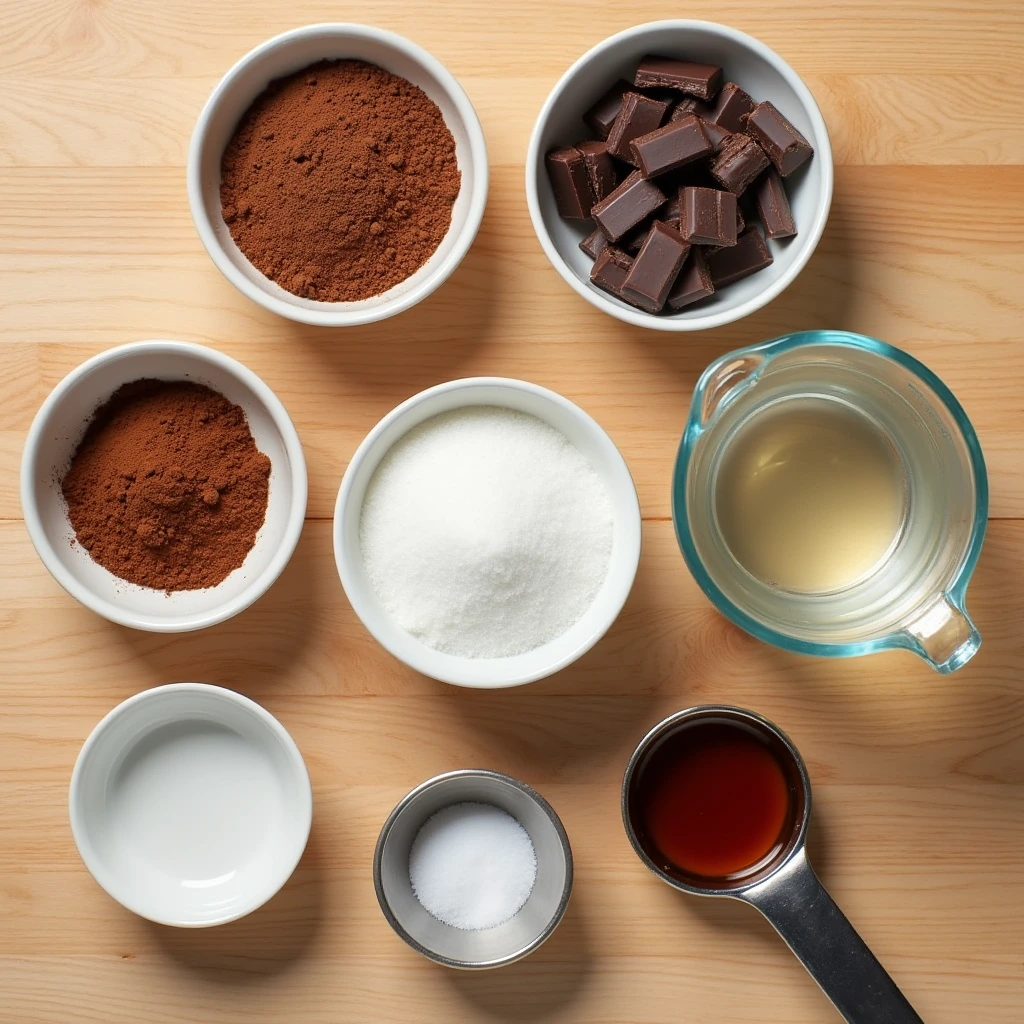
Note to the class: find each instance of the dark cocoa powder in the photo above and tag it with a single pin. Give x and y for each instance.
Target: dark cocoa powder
(339, 181)
(167, 488)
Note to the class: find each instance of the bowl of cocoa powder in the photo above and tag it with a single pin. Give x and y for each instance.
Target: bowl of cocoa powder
(163, 485)
(337, 174)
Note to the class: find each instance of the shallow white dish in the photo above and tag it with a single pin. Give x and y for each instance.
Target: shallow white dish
(58, 428)
(290, 52)
(587, 435)
(190, 805)
(763, 74)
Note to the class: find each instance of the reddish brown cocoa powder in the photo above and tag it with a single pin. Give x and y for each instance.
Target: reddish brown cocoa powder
(167, 488)
(339, 181)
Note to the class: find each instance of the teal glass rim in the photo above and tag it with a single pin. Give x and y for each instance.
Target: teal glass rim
(957, 589)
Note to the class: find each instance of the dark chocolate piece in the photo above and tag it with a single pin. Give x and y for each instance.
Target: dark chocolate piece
(638, 116)
(729, 108)
(601, 116)
(634, 199)
(656, 267)
(595, 243)
(785, 146)
(662, 93)
(716, 134)
(670, 211)
(570, 183)
(708, 216)
(600, 168)
(741, 222)
(738, 163)
(610, 270)
(665, 149)
(700, 80)
(634, 238)
(773, 206)
(685, 106)
(693, 283)
(609, 273)
(749, 255)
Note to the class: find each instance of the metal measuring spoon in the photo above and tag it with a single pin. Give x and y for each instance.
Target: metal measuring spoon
(783, 887)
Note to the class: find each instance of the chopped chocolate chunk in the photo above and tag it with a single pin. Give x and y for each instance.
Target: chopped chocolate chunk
(738, 163)
(634, 199)
(749, 255)
(595, 243)
(638, 116)
(634, 238)
(716, 134)
(685, 106)
(600, 168)
(708, 216)
(570, 183)
(785, 146)
(609, 273)
(601, 116)
(729, 108)
(665, 149)
(610, 270)
(670, 211)
(693, 283)
(700, 80)
(655, 268)
(773, 206)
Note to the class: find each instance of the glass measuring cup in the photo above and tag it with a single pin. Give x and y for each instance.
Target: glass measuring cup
(913, 598)
(782, 886)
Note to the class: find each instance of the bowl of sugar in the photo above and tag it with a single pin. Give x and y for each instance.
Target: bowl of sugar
(473, 869)
(487, 532)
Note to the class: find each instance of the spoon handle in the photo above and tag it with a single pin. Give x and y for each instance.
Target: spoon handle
(802, 912)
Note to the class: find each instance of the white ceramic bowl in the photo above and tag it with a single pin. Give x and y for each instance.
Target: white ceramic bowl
(586, 435)
(745, 60)
(290, 52)
(55, 434)
(190, 805)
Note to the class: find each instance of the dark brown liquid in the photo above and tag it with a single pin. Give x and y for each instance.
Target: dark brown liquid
(715, 802)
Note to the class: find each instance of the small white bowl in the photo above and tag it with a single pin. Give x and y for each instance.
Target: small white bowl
(292, 51)
(190, 805)
(587, 435)
(55, 434)
(744, 60)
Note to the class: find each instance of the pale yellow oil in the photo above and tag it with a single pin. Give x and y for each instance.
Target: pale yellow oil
(810, 495)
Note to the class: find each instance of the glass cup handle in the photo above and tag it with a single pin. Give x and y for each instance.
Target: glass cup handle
(944, 635)
(802, 912)
(723, 382)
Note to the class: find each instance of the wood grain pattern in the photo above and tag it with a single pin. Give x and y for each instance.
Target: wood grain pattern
(919, 780)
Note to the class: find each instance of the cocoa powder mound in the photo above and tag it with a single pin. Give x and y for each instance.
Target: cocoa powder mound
(339, 181)
(167, 488)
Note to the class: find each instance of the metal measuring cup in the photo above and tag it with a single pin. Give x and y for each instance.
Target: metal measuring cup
(784, 887)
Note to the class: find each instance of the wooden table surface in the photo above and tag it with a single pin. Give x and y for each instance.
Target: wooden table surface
(919, 779)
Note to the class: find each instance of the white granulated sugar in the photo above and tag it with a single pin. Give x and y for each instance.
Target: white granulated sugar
(472, 866)
(485, 532)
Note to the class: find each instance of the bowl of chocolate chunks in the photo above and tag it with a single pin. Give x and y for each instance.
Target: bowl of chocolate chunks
(679, 176)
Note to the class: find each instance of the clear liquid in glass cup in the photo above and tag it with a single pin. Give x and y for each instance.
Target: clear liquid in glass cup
(830, 497)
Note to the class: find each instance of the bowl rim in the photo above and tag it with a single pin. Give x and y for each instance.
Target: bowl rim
(98, 734)
(31, 455)
(812, 234)
(426, 660)
(442, 780)
(338, 314)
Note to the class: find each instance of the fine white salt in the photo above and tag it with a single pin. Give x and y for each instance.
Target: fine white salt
(485, 532)
(472, 866)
